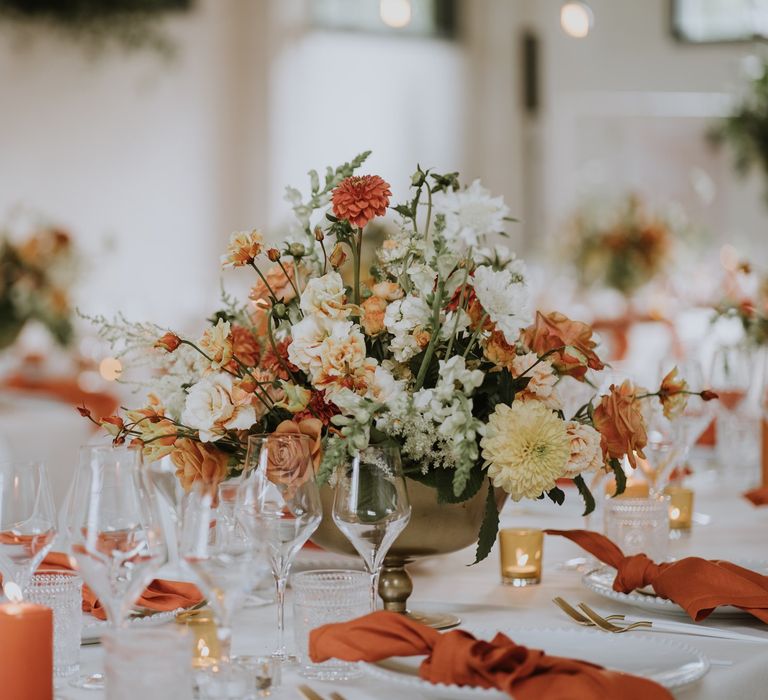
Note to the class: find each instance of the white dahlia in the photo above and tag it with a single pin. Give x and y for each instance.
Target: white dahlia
(525, 448)
(506, 301)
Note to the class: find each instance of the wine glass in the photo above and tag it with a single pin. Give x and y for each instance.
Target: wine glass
(27, 524)
(279, 494)
(114, 533)
(221, 553)
(371, 505)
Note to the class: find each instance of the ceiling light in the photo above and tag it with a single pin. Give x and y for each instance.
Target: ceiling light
(576, 19)
(395, 13)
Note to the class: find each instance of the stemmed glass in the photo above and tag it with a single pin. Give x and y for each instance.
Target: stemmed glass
(278, 493)
(114, 533)
(222, 554)
(27, 524)
(371, 505)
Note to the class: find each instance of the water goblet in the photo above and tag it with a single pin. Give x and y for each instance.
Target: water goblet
(27, 523)
(371, 505)
(279, 496)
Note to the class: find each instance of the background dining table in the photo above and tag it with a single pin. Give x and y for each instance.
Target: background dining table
(728, 527)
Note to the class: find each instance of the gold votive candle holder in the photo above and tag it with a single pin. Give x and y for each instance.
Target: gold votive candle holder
(521, 552)
(680, 507)
(205, 640)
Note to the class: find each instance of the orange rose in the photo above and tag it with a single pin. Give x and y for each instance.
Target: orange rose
(557, 331)
(289, 460)
(313, 429)
(199, 461)
(620, 423)
(373, 317)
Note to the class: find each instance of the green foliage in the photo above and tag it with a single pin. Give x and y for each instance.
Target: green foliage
(621, 477)
(585, 493)
(556, 495)
(489, 528)
(442, 481)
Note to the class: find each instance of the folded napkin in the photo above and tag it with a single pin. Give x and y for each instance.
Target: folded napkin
(758, 497)
(458, 658)
(696, 585)
(160, 595)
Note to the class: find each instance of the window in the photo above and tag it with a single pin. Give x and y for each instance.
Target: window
(710, 21)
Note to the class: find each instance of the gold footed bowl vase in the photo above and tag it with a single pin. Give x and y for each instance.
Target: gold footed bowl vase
(434, 528)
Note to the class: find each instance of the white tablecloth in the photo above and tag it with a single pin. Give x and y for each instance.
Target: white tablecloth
(737, 531)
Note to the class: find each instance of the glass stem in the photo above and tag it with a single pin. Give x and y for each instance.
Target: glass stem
(280, 582)
(375, 588)
(224, 635)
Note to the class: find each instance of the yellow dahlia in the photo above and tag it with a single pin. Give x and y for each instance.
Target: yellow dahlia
(526, 448)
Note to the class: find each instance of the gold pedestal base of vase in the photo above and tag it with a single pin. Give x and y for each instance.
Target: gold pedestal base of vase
(435, 528)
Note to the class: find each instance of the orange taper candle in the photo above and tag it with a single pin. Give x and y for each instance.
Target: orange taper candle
(26, 652)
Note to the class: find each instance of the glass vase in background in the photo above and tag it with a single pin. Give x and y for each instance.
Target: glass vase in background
(27, 523)
(371, 506)
(279, 497)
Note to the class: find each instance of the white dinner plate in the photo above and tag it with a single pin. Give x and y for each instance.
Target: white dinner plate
(93, 628)
(600, 581)
(670, 664)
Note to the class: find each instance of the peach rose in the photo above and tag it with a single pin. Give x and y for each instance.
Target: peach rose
(313, 429)
(373, 317)
(199, 462)
(288, 461)
(554, 330)
(620, 423)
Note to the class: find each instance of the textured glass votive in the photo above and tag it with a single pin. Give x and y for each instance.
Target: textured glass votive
(680, 507)
(62, 591)
(639, 525)
(322, 597)
(203, 634)
(520, 552)
(148, 663)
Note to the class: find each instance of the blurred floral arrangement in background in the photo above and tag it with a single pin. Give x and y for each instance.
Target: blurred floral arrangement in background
(436, 349)
(619, 244)
(745, 131)
(36, 277)
(745, 297)
(131, 24)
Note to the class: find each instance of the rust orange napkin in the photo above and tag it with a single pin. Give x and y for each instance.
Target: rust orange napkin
(696, 585)
(458, 658)
(160, 595)
(758, 497)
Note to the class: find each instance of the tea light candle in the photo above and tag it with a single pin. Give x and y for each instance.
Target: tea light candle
(26, 651)
(521, 556)
(202, 626)
(680, 507)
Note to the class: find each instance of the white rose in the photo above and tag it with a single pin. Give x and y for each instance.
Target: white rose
(507, 302)
(324, 296)
(385, 388)
(306, 338)
(216, 404)
(586, 453)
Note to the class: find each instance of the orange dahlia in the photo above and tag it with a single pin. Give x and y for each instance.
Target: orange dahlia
(360, 198)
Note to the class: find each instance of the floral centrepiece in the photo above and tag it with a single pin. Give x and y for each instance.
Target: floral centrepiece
(436, 349)
(36, 275)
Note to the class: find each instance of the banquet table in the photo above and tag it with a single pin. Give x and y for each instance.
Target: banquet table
(736, 530)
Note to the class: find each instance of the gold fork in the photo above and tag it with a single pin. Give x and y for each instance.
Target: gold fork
(310, 694)
(574, 614)
(604, 624)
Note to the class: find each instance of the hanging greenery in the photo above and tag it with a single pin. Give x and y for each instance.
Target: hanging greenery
(132, 24)
(745, 131)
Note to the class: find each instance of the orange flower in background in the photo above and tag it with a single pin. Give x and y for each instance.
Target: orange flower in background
(245, 346)
(275, 363)
(620, 423)
(199, 461)
(169, 341)
(358, 199)
(373, 315)
(313, 429)
(555, 330)
(671, 395)
(280, 283)
(499, 351)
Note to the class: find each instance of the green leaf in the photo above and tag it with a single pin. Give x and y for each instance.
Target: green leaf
(621, 477)
(403, 210)
(585, 493)
(442, 481)
(490, 527)
(556, 495)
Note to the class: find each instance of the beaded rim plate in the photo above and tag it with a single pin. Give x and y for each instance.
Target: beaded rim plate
(669, 663)
(600, 581)
(94, 628)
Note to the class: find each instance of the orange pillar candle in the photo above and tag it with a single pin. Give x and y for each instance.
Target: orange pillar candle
(26, 652)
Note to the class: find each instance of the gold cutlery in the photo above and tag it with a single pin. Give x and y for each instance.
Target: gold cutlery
(310, 694)
(605, 624)
(569, 610)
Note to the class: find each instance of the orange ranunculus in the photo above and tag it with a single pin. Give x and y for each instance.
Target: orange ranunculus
(245, 346)
(199, 462)
(358, 199)
(620, 423)
(373, 316)
(169, 341)
(499, 351)
(554, 330)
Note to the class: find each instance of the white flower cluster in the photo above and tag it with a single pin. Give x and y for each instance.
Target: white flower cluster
(505, 297)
